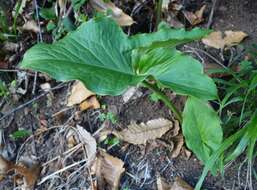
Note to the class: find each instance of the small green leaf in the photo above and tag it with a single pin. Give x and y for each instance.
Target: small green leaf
(47, 13)
(20, 134)
(76, 4)
(50, 26)
(112, 141)
(201, 128)
(68, 24)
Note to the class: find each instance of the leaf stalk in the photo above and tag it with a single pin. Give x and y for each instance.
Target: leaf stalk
(165, 100)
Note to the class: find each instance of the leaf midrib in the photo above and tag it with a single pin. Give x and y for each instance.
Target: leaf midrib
(104, 68)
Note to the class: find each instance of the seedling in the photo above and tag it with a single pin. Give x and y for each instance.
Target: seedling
(109, 116)
(3, 89)
(111, 142)
(108, 62)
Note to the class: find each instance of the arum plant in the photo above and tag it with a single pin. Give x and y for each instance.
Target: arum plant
(108, 61)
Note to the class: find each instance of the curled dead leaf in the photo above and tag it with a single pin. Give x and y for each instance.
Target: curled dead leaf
(195, 18)
(118, 15)
(91, 102)
(108, 171)
(231, 38)
(89, 143)
(79, 93)
(141, 133)
(178, 144)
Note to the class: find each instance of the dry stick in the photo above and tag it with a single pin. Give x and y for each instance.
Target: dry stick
(214, 59)
(73, 149)
(30, 101)
(61, 170)
(41, 40)
(211, 14)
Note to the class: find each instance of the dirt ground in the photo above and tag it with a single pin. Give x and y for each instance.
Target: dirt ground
(50, 114)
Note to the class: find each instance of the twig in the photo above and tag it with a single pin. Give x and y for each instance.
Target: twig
(207, 54)
(41, 40)
(73, 149)
(30, 101)
(61, 170)
(216, 60)
(38, 21)
(211, 14)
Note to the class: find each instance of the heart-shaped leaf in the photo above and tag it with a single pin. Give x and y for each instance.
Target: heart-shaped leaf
(94, 54)
(100, 55)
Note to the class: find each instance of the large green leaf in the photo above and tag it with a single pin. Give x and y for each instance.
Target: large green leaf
(93, 54)
(178, 71)
(201, 128)
(167, 37)
(99, 54)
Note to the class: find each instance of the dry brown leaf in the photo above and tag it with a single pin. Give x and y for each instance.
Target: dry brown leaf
(231, 38)
(195, 18)
(31, 26)
(30, 175)
(141, 133)
(178, 144)
(161, 184)
(199, 13)
(5, 165)
(91, 102)
(118, 15)
(215, 40)
(234, 38)
(79, 93)
(186, 153)
(108, 171)
(180, 184)
(89, 143)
